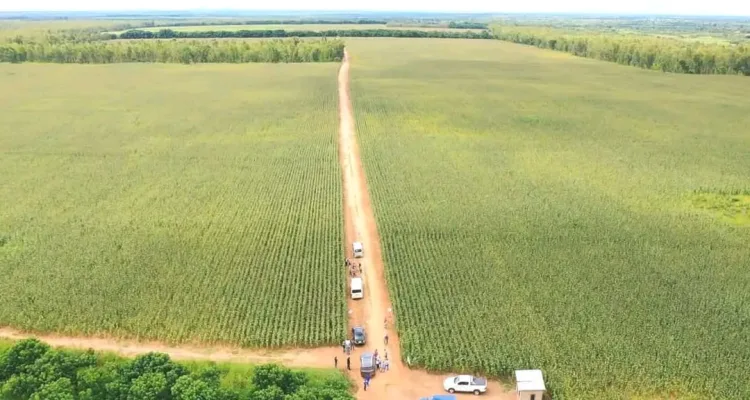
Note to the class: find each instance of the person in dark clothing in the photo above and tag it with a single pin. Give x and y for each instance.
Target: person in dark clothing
(348, 363)
(335, 362)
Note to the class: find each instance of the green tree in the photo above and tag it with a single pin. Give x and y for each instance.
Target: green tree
(268, 393)
(21, 357)
(61, 389)
(157, 363)
(149, 386)
(190, 388)
(266, 376)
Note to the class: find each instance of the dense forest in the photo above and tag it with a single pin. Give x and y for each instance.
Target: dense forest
(176, 51)
(649, 52)
(281, 33)
(32, 370)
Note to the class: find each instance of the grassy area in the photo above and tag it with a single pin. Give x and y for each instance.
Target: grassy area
(297, 27)
(172, 202)
(532, 208)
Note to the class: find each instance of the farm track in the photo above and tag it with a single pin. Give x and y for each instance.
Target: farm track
(400, 383)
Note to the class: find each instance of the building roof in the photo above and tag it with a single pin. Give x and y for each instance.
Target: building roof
(529, 380)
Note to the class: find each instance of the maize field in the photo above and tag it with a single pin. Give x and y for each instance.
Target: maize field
(177, 203)
(535, 212)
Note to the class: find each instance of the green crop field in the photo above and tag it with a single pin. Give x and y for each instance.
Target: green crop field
(539, 210)
(169, 202)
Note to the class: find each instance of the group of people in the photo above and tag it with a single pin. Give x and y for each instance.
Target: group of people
(383, 365)
(355, 268)
(348, 362)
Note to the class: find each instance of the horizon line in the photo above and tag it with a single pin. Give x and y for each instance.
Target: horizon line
(355, 11)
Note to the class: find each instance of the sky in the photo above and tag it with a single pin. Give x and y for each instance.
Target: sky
(686, 7)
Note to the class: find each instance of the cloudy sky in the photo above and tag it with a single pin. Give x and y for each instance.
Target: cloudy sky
(693, 7)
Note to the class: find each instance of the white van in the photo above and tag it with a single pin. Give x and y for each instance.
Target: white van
(357, 288)
(359, 251)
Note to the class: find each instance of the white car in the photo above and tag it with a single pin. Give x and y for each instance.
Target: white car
(465, 384)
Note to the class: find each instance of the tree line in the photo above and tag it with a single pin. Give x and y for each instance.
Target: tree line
(31, 370)
(280, 33)
(176, 51)
(467, 25)
(364, 21)
(649, 52)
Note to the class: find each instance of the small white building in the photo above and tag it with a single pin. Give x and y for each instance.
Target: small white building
(530, 384)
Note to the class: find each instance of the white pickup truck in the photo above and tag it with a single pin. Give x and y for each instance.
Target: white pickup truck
(465, 384)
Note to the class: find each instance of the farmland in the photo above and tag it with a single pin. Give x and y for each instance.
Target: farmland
(177, 203)
(296, 27)
(538, 210)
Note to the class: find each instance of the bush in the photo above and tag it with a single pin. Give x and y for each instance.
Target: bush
(33, 371)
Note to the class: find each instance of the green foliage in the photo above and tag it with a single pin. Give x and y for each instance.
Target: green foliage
(60, 389)
(176, 203)
(149, 377)
(190, 388)
(175, 51)
(153, 363)
(402, 33)
(149, 386)
(553, 187)
(656, 53)
(467, 25)
(271, 375)
(21, 357)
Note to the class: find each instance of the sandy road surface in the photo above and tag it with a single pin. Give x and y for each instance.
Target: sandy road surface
(400, 382)
(321, 357)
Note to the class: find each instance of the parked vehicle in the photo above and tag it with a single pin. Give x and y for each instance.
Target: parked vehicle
(465, 384)
(440, 397)
(358, 249)
(358, 290)
(367, 365)
(358, 335)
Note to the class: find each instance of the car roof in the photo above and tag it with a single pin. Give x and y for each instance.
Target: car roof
(358, 328)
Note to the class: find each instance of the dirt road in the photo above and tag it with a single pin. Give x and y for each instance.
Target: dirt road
(321, 357)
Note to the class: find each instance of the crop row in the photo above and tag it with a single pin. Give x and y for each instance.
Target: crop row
(533, 215)
(205, 208)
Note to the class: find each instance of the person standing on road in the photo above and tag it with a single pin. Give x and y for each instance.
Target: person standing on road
(385, 338)
(348, 363)
(335, 362)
